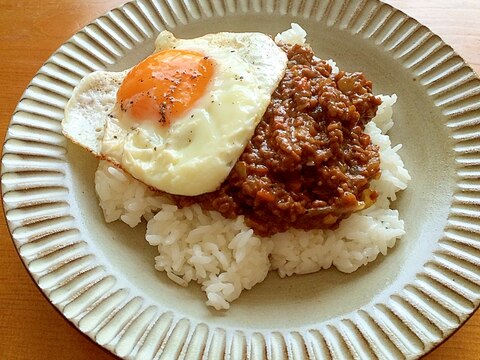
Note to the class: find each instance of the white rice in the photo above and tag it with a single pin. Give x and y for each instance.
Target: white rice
(226, 257)
(294, 35)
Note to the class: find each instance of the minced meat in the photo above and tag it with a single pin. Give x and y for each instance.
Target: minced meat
(309, 162)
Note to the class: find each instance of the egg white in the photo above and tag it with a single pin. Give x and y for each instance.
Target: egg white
(196, 152)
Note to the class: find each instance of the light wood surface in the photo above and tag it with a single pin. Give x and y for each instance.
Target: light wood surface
(30, 327)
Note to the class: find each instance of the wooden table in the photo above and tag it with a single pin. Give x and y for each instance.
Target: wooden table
(29, 32)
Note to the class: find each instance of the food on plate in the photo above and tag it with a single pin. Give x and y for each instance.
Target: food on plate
(320, 151)
(179, 119)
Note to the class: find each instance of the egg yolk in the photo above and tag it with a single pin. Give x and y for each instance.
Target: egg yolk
(165, 85)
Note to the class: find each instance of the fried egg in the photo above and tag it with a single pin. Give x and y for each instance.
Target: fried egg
(179, 120)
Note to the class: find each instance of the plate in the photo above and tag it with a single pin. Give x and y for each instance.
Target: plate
(101, 276)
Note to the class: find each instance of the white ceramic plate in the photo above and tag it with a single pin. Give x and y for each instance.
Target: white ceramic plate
(101, 277)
